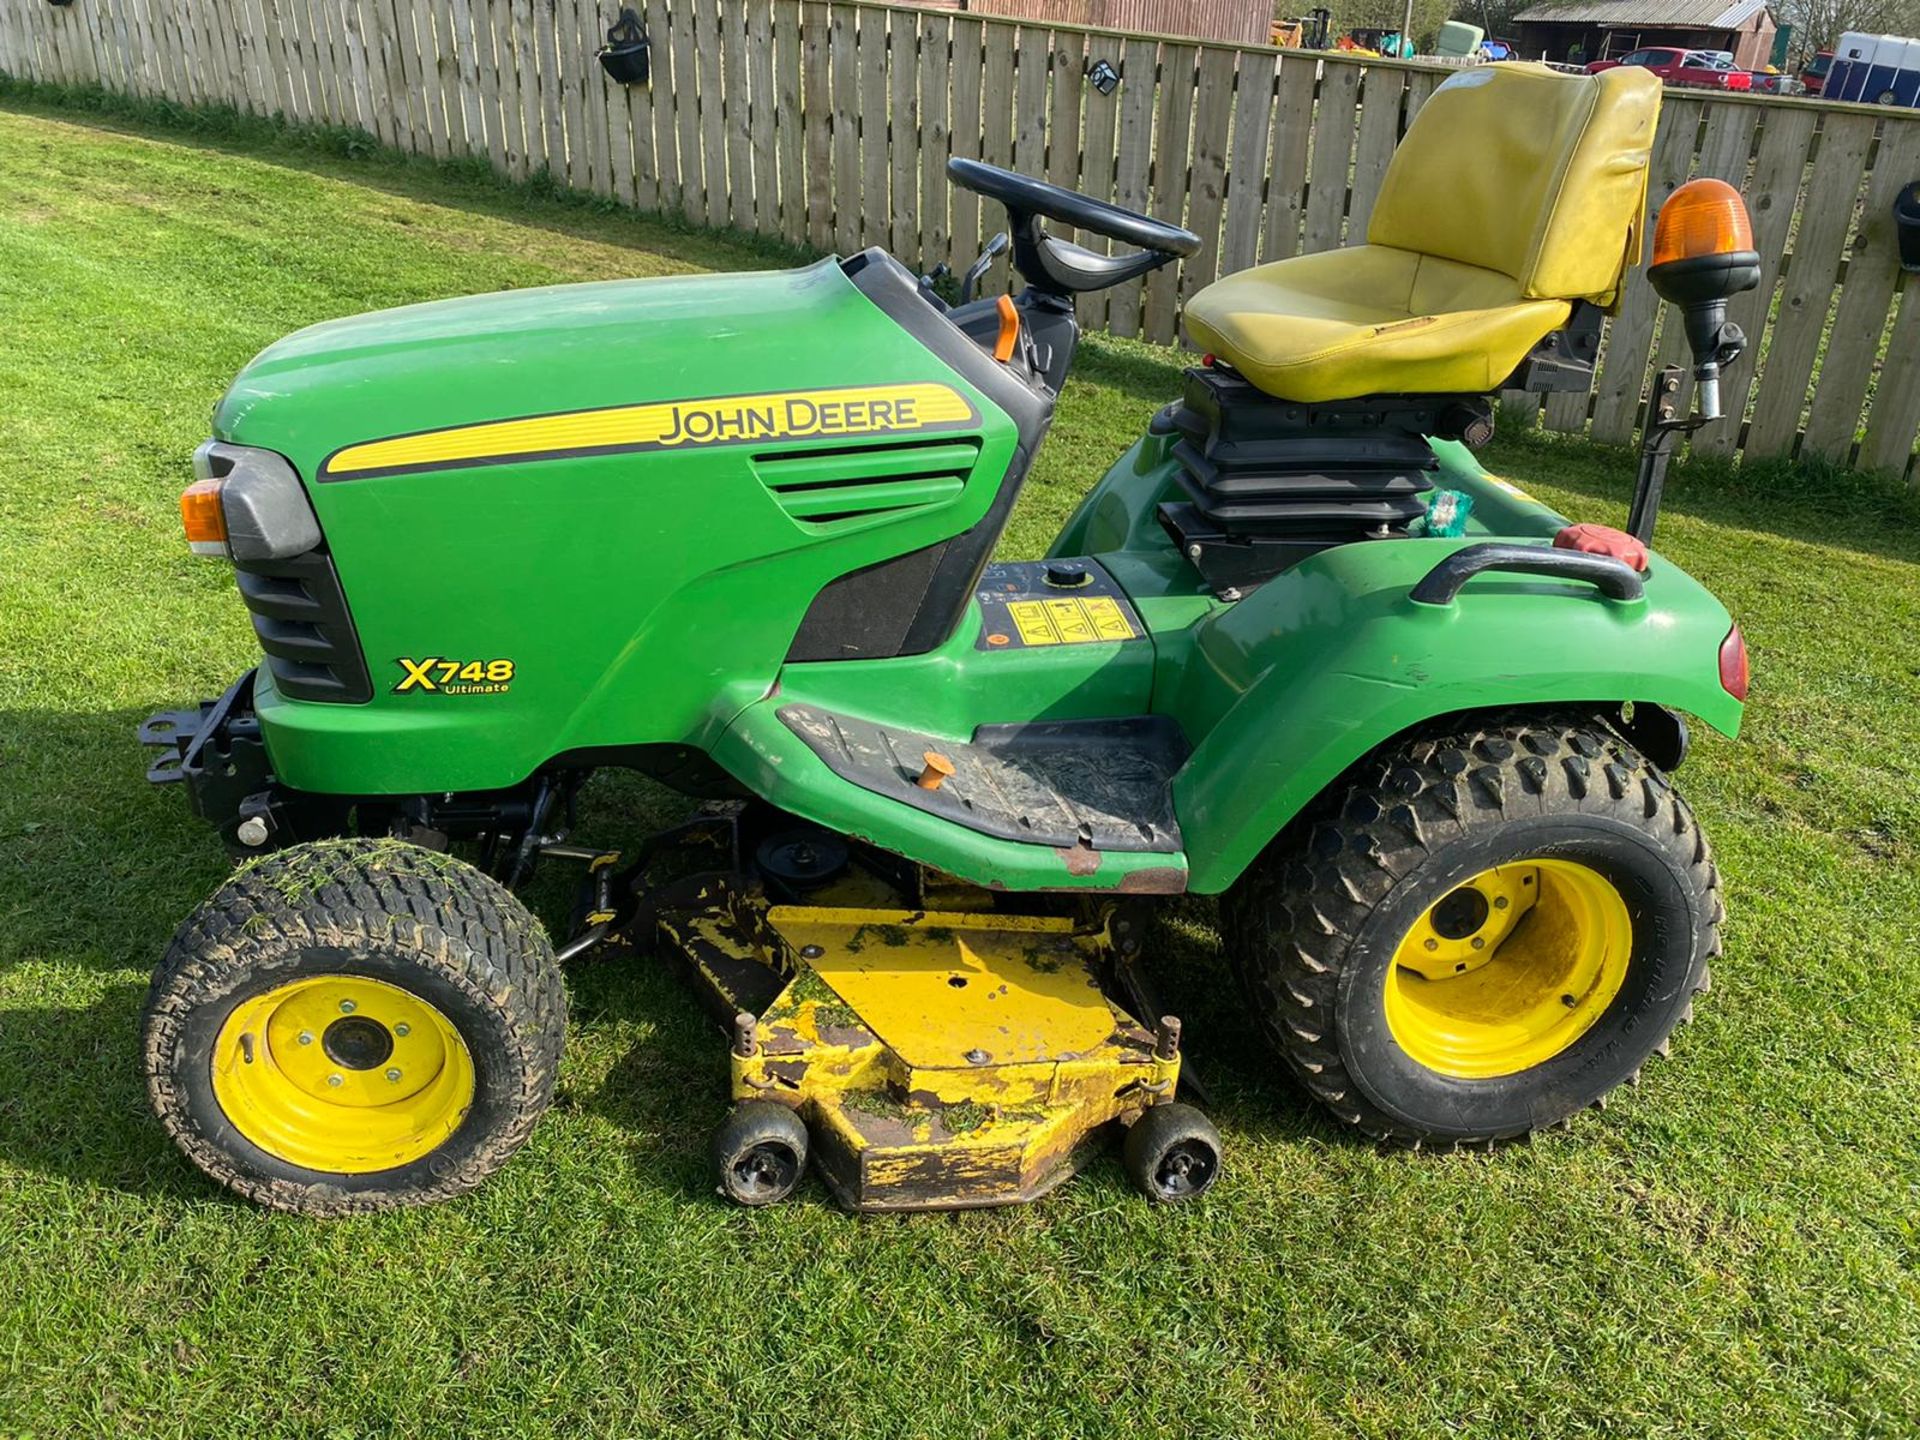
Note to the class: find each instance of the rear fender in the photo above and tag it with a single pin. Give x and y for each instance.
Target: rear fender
(1294, 684)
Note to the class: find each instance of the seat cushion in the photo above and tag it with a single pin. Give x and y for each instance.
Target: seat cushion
(1370, 320)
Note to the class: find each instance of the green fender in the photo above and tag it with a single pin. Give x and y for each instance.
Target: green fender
(1284, 690)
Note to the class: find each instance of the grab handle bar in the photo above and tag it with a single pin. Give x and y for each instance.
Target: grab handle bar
(1616, 580)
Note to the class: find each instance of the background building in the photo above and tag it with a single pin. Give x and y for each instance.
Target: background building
(1584, 30)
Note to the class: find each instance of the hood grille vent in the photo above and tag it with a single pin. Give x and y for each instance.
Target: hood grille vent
(823, 487)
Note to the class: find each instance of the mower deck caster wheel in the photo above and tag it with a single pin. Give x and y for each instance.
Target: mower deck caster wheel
(759, 1153)
(1172, 1153)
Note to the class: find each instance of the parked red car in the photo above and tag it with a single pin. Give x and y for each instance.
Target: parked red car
(1813, 74)
(1682, 67)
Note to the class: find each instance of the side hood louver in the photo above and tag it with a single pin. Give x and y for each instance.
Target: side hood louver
(823, 487)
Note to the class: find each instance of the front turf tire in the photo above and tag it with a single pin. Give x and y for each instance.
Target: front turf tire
(1324, 925)
(350, 973)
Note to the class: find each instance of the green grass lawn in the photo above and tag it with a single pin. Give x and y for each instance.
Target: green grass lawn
(1730, 1250)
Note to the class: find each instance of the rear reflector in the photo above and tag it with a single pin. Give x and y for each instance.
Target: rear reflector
(1733, 664)
(200, 513)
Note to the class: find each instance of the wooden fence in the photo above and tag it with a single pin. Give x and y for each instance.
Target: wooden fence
(828, 124)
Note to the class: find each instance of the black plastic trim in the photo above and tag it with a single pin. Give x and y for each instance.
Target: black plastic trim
(911, 603)
(300, 614)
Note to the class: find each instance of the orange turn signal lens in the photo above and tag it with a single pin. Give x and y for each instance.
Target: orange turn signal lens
(1009, 330)
(1702, 217)
(200, 513)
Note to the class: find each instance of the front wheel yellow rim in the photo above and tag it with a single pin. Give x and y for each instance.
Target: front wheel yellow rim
(342, 1073)
(1507, 970)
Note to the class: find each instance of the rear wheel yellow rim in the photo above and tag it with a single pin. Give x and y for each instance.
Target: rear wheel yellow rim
(342, 1073)
(1507, 970)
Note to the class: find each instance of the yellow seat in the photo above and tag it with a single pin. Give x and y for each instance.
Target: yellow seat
(1516, 192)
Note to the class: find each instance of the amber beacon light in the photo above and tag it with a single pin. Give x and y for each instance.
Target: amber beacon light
(1703, 255)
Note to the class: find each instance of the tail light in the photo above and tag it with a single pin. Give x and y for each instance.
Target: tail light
(1734, 671)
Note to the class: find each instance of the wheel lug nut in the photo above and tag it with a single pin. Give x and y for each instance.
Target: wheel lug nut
(347, 1007)
(403, 1028)
(393, 1075)
(1500, 903)
(336, 1080)
(306, 1037)
(1479, 942)
(1433, 944)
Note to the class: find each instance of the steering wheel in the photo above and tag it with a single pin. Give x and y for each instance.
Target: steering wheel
(1060, 267)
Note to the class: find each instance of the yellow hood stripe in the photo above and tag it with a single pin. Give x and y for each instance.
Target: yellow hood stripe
(722, 420)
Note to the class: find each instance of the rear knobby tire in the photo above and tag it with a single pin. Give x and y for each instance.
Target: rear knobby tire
(388, 918)
(1315, 923)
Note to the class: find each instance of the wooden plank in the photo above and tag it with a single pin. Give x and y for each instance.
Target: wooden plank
(357, 79)
(762, 121)
(737, 100)
(553, 92)
(1032, 68)
(1133, 163)
(790, 121)
(573, 98)
(488, 62)
(1207, 185)
(506, 60)
(121, 24)
(249, 33)
(1333, 134)
(1099, 134)
(816, 53)
(1811, 270)
(1420, 87)
(132, 21)
(1383, 94)
(403, 76)
(1621, 379)
(1771, 195)
(996, 130)
(1171, 140)
(1253, 106)
(936, 141)
(439, 75)
(658, 187)
(288, 14)
(634, 136)
(1891, 427)
(1064, 87)
(337, 103)
(1288, 149)
(1866, 302)
(469, 131)
(874, 204)
(603, 104)
(710, 58)
(376, 25)
(206, 69)
(273, 46)
(903, 137)
(844, 189)
(686, 105)
(964, 133)
(242, 74)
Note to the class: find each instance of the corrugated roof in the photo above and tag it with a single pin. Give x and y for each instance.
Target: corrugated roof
(1700, 14)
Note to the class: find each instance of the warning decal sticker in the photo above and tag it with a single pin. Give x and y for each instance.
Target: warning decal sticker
(1058, 602)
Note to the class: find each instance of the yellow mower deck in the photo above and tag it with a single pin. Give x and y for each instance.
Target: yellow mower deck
(940, 1059)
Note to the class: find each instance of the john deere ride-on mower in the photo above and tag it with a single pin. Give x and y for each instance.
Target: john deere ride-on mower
(1296, 650)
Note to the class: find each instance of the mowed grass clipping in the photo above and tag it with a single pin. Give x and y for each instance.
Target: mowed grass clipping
(1728, 1250)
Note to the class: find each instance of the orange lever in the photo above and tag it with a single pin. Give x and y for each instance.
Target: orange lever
(1009, 330)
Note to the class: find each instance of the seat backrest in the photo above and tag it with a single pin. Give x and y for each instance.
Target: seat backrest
(1538, 175)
